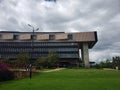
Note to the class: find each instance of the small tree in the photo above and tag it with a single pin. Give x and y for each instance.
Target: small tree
(108, 64)
(40, 62)
(23, 59)
(101, 64)
(53, 59)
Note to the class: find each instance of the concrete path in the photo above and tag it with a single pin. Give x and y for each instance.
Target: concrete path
(57, 69)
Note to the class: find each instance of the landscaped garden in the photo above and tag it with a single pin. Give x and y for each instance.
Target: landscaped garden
(68, 79)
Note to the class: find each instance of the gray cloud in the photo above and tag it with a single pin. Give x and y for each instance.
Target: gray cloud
(102, 16)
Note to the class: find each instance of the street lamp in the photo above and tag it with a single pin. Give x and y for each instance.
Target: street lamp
(33, 30)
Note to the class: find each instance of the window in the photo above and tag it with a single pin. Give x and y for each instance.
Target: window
(52, 37)
(33, 37)
(70, 37)
(16, 37)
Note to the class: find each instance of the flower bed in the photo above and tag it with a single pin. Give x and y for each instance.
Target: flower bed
(5, 73)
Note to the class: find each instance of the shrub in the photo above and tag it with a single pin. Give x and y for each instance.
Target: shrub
(5, 73)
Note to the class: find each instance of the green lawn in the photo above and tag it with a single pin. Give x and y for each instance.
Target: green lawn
(68, 79)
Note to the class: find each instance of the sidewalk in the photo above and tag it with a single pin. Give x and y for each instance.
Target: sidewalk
(57, 69)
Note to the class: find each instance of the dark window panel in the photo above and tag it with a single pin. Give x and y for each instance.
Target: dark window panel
(70, 36)
(52, 37)
(0, 36)
(16, 37)
(33, 37)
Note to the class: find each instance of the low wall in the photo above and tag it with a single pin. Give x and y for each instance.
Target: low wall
(23, 74)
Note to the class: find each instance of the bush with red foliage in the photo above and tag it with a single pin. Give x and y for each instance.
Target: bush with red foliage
(5, 73)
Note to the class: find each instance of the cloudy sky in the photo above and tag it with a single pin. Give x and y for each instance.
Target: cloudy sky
(102, 16)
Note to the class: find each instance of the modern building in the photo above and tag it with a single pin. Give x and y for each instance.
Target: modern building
(67, 45)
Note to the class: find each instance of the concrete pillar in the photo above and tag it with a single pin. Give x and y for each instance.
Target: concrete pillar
(85, 55)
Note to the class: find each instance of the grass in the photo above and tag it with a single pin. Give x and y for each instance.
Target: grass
(68, 79)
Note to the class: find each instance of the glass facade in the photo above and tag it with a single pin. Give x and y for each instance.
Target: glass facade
(38, 49)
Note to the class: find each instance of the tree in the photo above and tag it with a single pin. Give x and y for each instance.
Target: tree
(108, 64)
(53, 59)
(116, 62)
(23, 59)
(40, 62)
(101, 64)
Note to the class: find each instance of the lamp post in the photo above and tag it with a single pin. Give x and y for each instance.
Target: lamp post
(32, 37)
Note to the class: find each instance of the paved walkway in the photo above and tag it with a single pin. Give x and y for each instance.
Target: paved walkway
(108, 69)
(57, 69)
